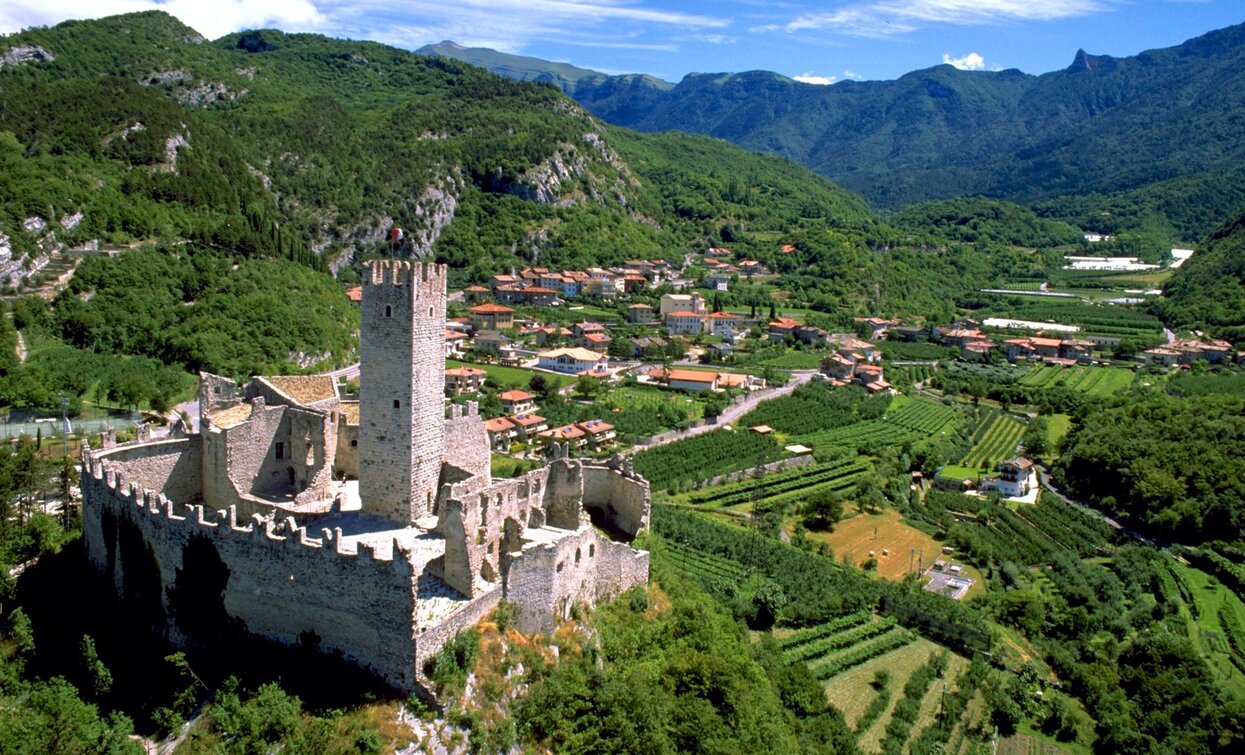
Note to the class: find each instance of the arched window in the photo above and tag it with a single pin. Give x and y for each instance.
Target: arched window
(388, 311)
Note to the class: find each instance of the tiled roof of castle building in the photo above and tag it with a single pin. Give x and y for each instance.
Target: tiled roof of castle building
(230, 417)
(305, 389)
(350, 412)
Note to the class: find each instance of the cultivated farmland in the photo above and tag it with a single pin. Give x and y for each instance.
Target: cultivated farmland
(994, 440)
(1095, 381)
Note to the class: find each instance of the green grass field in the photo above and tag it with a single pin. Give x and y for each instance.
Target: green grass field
(514, 377)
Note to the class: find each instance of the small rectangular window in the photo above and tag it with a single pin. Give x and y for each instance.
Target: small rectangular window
(280, 450)
(397, 404)
(354, 444)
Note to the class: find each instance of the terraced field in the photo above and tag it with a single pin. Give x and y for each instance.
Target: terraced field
(791, 484)
(840, 645)
(1095, 381)
(994, 440)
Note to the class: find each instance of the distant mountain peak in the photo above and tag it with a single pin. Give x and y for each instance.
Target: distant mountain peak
(1086, 62)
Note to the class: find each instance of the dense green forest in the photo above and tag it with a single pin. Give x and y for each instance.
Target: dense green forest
(1165, 465)
(1208, 291)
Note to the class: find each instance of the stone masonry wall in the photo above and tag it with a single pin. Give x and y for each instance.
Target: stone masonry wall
(466, 441)
(401, 419)
(623, 500)
(282, 582)
(215, 392)
(481, 520)
(582, 567)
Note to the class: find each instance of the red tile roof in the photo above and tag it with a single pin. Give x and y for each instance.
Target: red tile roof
(490, 309)
(692, 376)
(515, 395)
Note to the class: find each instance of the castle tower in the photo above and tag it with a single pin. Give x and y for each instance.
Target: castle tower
(402, 382)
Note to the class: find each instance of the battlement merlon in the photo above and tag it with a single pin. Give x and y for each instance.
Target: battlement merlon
(104, 485)
(404, 273)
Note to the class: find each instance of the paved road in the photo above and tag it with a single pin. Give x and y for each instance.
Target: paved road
(732, 412)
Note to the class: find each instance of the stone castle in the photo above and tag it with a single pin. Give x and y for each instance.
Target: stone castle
(372, 527)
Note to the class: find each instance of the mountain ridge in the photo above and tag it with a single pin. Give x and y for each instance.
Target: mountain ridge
(1103, 124)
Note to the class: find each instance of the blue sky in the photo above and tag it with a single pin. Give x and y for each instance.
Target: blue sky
(819, 42)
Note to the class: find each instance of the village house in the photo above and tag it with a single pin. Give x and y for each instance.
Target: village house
(570, 436)
(693, 303)
(909, 333)
(517, 402)
(870, 376)
(692, 380)
(574, 360)
(501, 433)
(684, 323)
(877, 327)
(648, 346)
(355, 294)
(454, 342)
(459, 380)
(862, 349)
(1015, 479)
(491, 342)
(640, 314)
(810, 335)
(1189, 351)
(474, 294)
(722, 323)
(634, 283)
(497, 281)
(598, 433)
(750, 268)
(959, 337)
(781, 329)
(718, 281)
(721, 350)
(491, 317)
(839, 367)
(975, 351)
(527, 426)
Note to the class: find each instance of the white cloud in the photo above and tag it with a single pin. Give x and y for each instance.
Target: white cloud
(808, 78)
(969, 62)
(851, 75)
(884, 18)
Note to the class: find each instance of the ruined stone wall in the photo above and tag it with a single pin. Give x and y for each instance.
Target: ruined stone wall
(346, 459)
(546, 579)
(216, 392)
(622, 499)
(482, 521)
(281, 581)
(466, 441)
(401, 419)
(312, 444)
(429, 640)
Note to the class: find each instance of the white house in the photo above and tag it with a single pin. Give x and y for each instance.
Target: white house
(572, 360)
